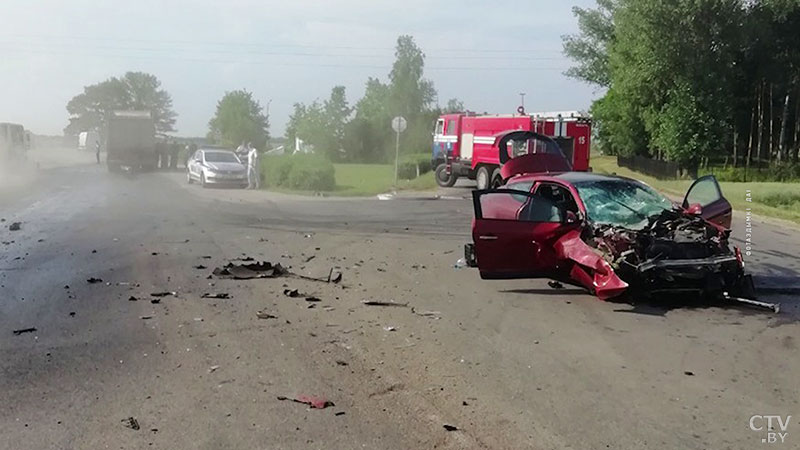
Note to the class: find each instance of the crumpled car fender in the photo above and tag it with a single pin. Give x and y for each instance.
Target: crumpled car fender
(600, 277)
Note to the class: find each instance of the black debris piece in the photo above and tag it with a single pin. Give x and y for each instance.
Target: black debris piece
(200, 267)
(450, 427)
(383, 303)
(555, 285)
(164, 294)
(220, 295)
(291, 293)
(94, 280)
(313, 401)
(313, 299)
(250, 271)
(66, 286)
(265, 315)
(312, 305)
(464, 403)
(206, 257)
(154, 254)
(94, 251)
(340, 413)
(310, 258)
(72, 314)
(689, 373)
(131, 423)
(16, 226)
(155, 301)
(132, 298)
(341, 363)
(246, 259)
(24, 330)
(334, 276)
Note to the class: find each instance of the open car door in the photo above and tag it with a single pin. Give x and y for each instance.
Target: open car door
(514, 232)
(706, 193)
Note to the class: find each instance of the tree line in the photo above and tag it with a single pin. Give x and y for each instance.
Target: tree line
(693, 80)
(362, 132)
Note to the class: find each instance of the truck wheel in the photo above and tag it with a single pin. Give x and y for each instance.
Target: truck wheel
(482, 178)
(442, 178)
(497, 179)
(203, 180)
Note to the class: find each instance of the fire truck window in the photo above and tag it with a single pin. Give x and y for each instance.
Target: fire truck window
(451, 127)
(439, 127)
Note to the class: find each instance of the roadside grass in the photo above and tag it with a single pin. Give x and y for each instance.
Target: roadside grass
(364, 180)
(772, 199)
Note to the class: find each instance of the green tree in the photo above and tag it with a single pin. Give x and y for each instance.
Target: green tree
(454, 105)
(337, 113)
(239, 118)
(589, 49)
(132, 91)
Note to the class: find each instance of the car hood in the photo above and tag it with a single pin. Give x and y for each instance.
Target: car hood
(224, 166)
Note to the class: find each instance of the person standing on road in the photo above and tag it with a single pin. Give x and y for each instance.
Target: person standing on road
(97, 151)
(253, 181)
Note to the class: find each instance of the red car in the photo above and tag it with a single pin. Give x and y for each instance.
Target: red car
(609, 234)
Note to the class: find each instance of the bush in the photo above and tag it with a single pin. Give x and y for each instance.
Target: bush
(783, 172)
(412, 166)
(302, 172)
(783, 200)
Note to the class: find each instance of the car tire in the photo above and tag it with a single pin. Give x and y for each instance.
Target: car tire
(442, 178)
(203, 180)
(482, 178)
(497, 179)
(189, 177)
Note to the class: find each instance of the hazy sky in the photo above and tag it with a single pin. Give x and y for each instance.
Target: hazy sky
(483, 52)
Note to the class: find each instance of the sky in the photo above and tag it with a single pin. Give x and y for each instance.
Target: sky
(484, 53)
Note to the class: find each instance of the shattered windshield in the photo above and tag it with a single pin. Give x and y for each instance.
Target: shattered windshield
(623, 203)
(223, 157)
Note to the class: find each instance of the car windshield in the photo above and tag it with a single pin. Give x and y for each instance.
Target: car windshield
(221, 157)
(624, 203)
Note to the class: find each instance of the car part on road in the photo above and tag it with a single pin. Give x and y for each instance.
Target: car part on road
(310, 400)
(774, 307)
(200, 267)
(218, 295)
(94, 280)
(131, 423)
(383, 303)
(450, 427)
(291, 293)
(132, 298)
(265, 315)
(313, 299)
(555, 285)
(24, 330)
(164, 294)
(16, 226)
(250, 271)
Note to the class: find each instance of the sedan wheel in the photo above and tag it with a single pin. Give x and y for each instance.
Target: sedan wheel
(189, 177)
(203, 180)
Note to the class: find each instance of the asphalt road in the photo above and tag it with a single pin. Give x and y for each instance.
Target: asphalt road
(512, 364)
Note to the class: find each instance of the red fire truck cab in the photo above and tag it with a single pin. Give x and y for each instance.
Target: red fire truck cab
(464, 145)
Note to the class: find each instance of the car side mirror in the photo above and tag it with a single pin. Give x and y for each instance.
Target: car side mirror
(695, 209)
(570, 217)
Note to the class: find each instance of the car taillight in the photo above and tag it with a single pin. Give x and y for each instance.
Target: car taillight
(739, 257)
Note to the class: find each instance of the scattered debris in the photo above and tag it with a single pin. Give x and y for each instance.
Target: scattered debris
(131, 423)
(213, 369)
(340, 413)
(689, 373)
(555, 284)
(219, 295)
(450, 427)
(24, 330)
(461, 263)
(164, 294)
(383, 303)
(312, 401)
(293, 293)
(250, 271)
(206, 257)
(94, 251)
(434, 314)
(313, 299)
(94, 280)
(390, 328)
(72, 314)
(132, 298)
(145, 317)
(310, 258)
(155, 301)
(200, 267)
(16, 226)
(265, 315)
(154, 254)
(341, 363)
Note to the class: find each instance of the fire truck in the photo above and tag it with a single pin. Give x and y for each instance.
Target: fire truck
(465, 145)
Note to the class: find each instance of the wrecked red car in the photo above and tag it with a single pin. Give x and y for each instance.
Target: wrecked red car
(610, 234)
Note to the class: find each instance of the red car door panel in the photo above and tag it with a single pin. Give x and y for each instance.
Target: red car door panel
(514, 233)
(706, 192)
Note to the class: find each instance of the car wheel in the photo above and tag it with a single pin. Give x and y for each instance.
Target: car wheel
(482, 178)
(189, 177)
(497, 179)
(203, 180)
(442, 178)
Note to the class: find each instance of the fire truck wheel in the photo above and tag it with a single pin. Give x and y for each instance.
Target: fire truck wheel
(442, 178)
(482, 178)
(497, 179)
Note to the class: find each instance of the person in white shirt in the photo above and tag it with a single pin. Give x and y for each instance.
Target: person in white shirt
(253, 179)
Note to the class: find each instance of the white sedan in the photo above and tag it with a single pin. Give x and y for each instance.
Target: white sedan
(216, 167)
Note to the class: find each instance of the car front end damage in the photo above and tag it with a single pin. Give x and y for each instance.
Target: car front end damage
(675, 253)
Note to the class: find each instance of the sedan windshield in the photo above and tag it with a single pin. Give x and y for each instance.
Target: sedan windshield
(624, 203)
(221, 157)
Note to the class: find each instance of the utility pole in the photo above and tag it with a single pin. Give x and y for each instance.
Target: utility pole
(522, 99)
